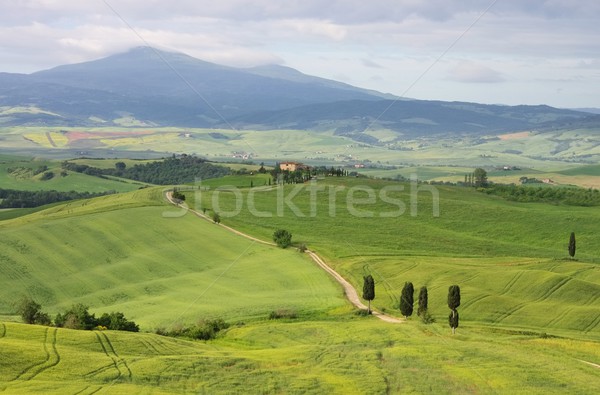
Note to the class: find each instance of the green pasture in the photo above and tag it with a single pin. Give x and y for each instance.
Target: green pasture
(135, 254)
(510, 258)
(18, 173)
(345, 356)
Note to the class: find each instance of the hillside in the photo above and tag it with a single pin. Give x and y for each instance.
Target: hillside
(529, 318)
(133, 253)
(158, 88)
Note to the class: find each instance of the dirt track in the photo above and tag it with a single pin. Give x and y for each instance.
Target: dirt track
(349, 290)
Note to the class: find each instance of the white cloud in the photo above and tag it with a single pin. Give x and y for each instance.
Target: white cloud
(471, 72)
(403, 37)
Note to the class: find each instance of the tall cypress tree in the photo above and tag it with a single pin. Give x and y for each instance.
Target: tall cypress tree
(369, 290)
(453, 303)
(407, 299)
(572, 245)
(423, 301)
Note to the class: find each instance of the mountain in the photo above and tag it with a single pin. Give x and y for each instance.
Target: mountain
(158, 88)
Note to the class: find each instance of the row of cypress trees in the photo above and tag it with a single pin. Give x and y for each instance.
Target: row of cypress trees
(406, 304)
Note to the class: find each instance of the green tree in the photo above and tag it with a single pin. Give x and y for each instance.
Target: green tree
(453, 320)
(77, 317)
(116, 321)
(480, 176)
(572, 245)
(216, 217)
(31, 312)
(407, 299)
(120, 166)
(453, 303)
(423, 301)
(282, 238)
(368, 290)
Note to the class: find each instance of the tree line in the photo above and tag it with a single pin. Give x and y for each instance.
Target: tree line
(527, 194)
(173, 170)
(76, 317)
(10, 198)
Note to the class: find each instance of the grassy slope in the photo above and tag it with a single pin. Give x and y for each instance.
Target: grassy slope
(25, 180)
(509, 258)
(121, 253)
(130, 258)
(349, 355)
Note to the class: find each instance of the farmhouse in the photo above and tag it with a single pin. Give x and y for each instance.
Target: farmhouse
(292, 166)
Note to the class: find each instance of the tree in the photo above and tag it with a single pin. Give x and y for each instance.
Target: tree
(216, 217)
(31, 312)
(77, 317)
(480, 176)
(572, 245)
(120, 166)
(423, 301)
(453, 303)
(116, 321)
(282, 238)
(407, 299)
(369, 290)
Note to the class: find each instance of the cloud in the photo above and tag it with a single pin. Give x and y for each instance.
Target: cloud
(371, 64)
(526, 39)
(471, 72)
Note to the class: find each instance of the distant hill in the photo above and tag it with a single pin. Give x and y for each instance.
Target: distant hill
(157, 88)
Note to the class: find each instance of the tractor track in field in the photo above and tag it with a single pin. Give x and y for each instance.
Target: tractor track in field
(349, 290)
(545, 295)
(110, 352)
(51, 359)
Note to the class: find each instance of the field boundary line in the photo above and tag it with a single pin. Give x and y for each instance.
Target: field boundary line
(349, 290)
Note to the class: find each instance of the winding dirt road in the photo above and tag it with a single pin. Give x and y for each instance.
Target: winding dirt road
(349, 290)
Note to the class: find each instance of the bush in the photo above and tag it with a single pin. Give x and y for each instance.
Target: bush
(282, 313)
(282, 238)
(30, 312)
(216, 217)
(203, 330)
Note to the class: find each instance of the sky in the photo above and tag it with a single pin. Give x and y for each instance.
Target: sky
(499, 52)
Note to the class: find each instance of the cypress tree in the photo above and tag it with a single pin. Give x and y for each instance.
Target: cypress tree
(407, 299)
(423, 301)
(369, 290)
(453, 303)
(572, 245)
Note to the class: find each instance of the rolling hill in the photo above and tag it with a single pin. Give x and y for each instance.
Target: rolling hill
(529, 320)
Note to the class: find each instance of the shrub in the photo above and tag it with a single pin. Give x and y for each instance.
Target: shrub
(282, 238)
(282, 313)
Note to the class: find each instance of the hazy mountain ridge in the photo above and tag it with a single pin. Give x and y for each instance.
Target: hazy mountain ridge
(174, 89)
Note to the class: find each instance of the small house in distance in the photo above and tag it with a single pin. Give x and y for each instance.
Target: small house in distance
(292, 166)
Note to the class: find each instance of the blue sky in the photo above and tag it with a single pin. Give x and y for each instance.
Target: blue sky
(507, 51)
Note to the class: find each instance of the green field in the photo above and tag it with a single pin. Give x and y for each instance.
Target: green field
(530, 322)
(549, 151)
(132, 253)
(509, 258)
(18, 173)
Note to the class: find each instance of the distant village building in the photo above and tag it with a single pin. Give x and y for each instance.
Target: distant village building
(292, 166)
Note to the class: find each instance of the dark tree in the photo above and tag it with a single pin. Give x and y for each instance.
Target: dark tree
(423, 301)
(453, 320)
(480, 176)
(120, 166)
(572, 245)
(216, 217)
(453, 303)
(407, 299)
(282, 238)
(29, 310)
(369, 290)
